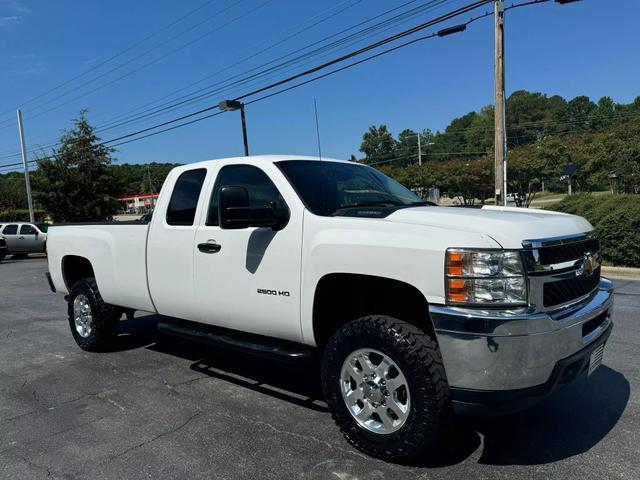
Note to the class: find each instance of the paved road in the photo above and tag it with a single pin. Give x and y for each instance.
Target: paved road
(176, 410)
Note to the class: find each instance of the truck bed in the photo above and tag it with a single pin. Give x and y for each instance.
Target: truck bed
(118, 253)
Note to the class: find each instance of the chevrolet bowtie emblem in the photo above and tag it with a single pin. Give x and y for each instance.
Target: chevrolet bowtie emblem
(589, 264)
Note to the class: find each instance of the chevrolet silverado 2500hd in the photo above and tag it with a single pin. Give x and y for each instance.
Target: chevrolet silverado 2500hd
(417, 310)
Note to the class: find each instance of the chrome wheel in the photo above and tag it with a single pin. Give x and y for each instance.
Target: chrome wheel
(375, 391)
(82, 315)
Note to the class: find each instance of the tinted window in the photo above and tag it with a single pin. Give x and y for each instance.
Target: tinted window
(184, 199)
(329, 188)
(10, 230)
(261, 189)
(27, 230)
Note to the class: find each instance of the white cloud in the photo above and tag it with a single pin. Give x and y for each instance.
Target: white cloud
(92, 60)
(35, 69)
(23, 56)
(4, 21)
(15, 6)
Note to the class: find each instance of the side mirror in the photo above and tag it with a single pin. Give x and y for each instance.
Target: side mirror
(234, 211)
(233, 208)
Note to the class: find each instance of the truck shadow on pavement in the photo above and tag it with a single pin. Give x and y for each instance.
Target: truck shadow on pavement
(570, 422)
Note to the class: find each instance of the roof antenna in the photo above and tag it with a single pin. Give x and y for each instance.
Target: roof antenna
(315, 106)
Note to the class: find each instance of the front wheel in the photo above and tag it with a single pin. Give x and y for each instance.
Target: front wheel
(386, 387)
(94, 323)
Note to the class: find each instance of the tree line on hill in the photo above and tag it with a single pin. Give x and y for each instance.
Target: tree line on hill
(545, 134)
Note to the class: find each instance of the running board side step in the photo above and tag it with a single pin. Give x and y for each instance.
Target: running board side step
(248, 343)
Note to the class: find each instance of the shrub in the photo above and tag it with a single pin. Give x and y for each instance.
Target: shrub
(616, 218)
(20, 215)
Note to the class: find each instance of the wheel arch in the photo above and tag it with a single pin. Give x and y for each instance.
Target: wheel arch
(75, 267)
(342, 297)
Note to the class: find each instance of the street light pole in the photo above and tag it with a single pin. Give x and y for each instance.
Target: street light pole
(419, 151)
(26, 167)
(230, 106)
(244, 131)
(500, 141)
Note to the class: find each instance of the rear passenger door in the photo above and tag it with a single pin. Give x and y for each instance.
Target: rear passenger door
(170, 244)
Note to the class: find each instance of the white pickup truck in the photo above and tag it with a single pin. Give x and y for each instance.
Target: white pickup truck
(416, 310)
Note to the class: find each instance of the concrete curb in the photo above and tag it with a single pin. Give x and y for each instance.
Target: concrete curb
(627, 273)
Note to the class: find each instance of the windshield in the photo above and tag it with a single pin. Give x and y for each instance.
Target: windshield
(334, 188)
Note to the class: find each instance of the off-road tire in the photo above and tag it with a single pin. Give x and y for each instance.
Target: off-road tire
(418, 356)
(105, 317)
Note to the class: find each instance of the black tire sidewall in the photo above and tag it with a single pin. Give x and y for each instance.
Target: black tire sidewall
(105, 325)
(426, 413)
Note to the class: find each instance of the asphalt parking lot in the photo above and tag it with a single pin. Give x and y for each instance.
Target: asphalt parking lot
(178, 410)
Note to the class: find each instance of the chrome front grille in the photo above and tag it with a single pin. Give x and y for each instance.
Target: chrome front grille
(565, 253)
(562, 271)
(567, 290)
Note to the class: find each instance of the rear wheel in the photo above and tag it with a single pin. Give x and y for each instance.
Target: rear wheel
(94, 324)
(386, 386)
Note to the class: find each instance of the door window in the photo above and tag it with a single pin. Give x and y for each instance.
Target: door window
(261, 189)
(27, 230)
(10, 230)
(184, 199)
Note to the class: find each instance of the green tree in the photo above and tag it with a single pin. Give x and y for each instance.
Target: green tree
(76, 182)
(407, 146)
(466, 179)
(378, 144)
(12, 191)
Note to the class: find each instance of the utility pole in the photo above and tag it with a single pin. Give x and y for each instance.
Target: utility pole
(26, 167)
(500, 141)
(419, 151)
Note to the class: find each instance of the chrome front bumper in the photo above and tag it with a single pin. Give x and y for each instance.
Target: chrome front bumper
(505, 350)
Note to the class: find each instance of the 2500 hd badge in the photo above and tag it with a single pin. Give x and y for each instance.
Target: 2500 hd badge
(282, 293)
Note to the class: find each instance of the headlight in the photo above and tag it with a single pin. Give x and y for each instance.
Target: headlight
(485, 277)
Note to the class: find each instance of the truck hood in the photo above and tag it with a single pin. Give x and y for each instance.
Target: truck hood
(509, 226)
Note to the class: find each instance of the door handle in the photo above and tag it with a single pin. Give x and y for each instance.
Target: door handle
(209, 247)
(20, 238)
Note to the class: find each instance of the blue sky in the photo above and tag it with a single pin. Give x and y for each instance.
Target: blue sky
(585, 48)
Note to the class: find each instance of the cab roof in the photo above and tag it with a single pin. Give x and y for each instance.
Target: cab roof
(258, 160)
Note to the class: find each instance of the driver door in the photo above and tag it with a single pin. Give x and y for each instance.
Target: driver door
(251, 280)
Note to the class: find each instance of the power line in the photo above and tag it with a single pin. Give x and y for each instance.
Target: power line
(422, 8)
(206, 92)
(307, 72)
(440, 19)
(377, 44)
(113, 57)
(152, 62)
(352, 3)
(332, 12)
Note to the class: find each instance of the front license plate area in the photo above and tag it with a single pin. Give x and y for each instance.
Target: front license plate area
(596, 359)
